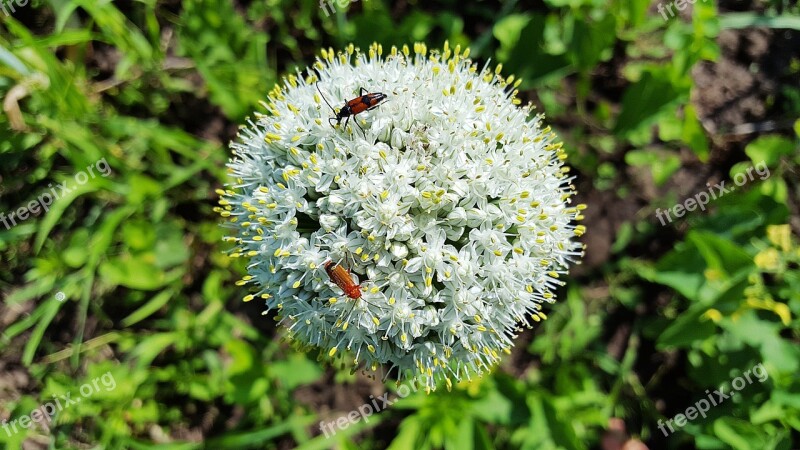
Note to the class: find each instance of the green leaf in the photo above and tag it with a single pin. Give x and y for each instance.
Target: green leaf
(142, 187)
(661, 164)
(783, 355)
(693, 133)
(687, 330)
(720, 254)
(592, 41)
(507, 31)
(681, 269)
(138, 234)
(531, 47)
(243, 356)
(731, 223)
(463, 437)
(408, 434)
(739, 434)
(170, 248)
(295, 371)
(687, 129)
(148, 347)
(769, 149)
(546, 428)
(135, 272)
(75, 255)
(493, 408)
(481, 438)
(645, 102)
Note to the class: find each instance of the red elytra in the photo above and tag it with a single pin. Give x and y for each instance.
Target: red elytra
(341, 277)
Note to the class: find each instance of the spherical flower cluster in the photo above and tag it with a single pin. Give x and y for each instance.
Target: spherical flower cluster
(450, 211)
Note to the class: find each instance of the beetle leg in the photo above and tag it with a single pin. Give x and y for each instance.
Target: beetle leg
(359, 126)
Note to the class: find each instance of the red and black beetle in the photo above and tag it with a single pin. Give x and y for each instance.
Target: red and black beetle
(364, 102)
(341, 277)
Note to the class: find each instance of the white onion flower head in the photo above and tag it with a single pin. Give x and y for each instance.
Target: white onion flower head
(451, 212)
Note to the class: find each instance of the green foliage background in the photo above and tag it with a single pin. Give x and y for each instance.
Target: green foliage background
(157, 88)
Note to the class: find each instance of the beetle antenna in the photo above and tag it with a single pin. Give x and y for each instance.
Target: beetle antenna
(326, 100)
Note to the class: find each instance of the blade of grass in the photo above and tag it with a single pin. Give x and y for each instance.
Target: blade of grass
(100, 242)
(31, 291)
(88, 345)
(259, 437)
(50, 310)
(148, 308)
(9, 59)
(57, 209)
(751, 20)
(138, 445)
(21, 325)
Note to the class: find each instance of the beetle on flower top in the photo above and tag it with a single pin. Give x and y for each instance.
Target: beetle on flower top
(351, 108)
(341, 277)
